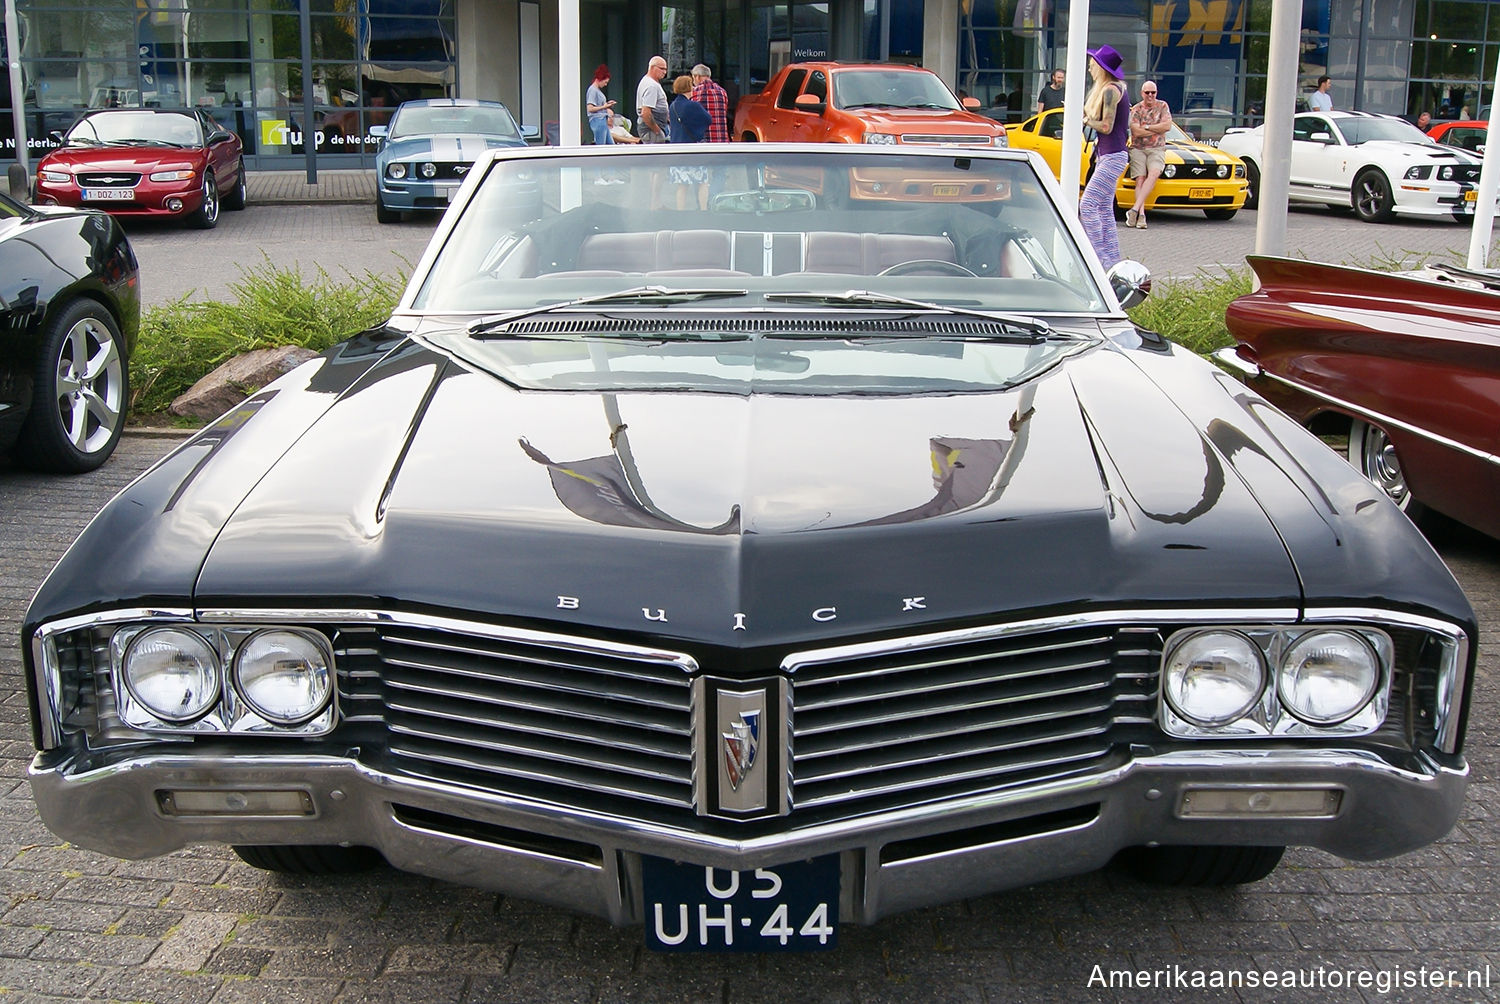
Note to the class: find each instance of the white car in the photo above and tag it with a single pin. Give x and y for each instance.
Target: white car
(1379, 165)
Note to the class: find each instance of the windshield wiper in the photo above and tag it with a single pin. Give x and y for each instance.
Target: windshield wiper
(634, 295)
(868, 298)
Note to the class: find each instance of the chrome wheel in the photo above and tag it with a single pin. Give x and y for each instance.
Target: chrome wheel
(208, 213)
(80, 393)
(1374, 456)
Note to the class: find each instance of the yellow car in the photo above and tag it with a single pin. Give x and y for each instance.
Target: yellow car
(1197, 176)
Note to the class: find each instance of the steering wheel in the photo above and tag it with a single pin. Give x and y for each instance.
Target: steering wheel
(928, 266)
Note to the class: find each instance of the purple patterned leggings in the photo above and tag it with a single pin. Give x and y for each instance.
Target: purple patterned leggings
(1096, 206)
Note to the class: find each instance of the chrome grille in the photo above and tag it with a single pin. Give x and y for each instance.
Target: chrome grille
(109, 179)
(941, 139)
(534, 720)
(896, 729)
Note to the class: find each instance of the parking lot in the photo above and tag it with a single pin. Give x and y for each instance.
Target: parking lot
(199, 926)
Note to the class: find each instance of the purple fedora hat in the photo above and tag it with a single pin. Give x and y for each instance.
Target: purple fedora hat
(1110, 60)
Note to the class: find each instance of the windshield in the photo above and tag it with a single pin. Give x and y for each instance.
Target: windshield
(1363, 130)
(426, 120)
(891, 89)
(164, 128)
(976, 231)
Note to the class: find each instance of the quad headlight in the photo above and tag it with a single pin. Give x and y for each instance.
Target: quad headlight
(429, 170)
(396, 170)
(1214, 678)
(1223, 170)
(1327, 676)
(1170, 171)
(1275, 681)
(173, 673)
(283, 675)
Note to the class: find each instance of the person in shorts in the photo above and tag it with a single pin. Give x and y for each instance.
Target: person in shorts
(1150, 121)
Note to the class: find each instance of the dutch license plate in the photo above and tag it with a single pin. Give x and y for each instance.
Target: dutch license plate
(109, 194)
(1471, 196)
(947, 191)
(788, 908)
(1200, 193)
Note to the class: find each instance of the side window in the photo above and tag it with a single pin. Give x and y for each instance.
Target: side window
(1052, 126)
(817, 85)
(1303, 128)
(788, 96)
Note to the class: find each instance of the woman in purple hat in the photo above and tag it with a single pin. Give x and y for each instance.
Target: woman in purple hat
(1106, 110)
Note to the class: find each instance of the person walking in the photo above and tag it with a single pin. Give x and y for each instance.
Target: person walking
(1106, 110)
(1052, 93)
(712, 97)
(1320, 100)
(690, 122)
(598, 107)
(652, 117)
(1150, 121)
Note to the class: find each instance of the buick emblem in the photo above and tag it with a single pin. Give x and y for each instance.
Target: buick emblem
(741, 744)
(741, 736)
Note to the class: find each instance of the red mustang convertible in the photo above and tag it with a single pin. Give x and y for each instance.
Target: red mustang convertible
(1403, 368)
(146, 162)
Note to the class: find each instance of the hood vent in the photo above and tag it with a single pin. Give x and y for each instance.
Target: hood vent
(750, 325)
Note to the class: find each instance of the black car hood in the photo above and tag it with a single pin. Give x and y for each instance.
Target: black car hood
(743, 519)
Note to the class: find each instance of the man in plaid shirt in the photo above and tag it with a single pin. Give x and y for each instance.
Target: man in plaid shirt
(712, 97)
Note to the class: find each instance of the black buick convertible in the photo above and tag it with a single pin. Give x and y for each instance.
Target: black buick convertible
(828, 548)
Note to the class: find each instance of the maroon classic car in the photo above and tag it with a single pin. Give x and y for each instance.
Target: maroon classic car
(146, 162)
(1402, 370)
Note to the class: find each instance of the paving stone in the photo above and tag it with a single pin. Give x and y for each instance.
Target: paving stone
(94, 949)
(190, 942)
(289, 991)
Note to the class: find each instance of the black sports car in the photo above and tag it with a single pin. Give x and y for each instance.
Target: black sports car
(69, 312)
(833, 550)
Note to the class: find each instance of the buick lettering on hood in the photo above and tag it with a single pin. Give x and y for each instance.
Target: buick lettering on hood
(828, 547)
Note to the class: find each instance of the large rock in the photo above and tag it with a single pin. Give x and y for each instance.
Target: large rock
(237, 379)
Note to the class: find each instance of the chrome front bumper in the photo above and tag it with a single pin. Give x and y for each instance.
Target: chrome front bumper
(897, 861)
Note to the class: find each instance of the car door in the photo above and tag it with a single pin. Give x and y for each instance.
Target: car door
(810, 124)
(222, 158)
(1320, 162)
(780, 122)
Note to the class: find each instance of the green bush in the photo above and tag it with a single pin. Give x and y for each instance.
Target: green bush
(1190, 312)
(271, 306)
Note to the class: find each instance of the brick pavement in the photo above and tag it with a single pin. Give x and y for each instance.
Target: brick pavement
(198, 927)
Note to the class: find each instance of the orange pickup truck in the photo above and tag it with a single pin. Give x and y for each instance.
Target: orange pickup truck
(862, 103)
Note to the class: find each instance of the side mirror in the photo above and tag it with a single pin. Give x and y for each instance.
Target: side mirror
(380, 131)
(971, 103)
(1321, 137)
(1131, 282)
(809, 103)
(56, 136)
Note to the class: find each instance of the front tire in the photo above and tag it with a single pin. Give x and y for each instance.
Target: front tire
(1252, 185)
(384, 215)
(235, 200)
(1212, 865)
(1372, 196)
(309, 859)
(80, 390)
(1371, 452)
(1220, 214)
(207, 214)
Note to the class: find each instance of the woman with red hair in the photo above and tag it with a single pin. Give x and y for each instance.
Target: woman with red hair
(599, 106)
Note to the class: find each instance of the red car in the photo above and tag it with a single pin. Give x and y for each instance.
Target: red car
(1468, 134)
(1402, 371)
(146, 162)
(887, 103)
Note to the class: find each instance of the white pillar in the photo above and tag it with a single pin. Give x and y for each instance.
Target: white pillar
(569, 76)
(940, 39)
(1276, 144)
(1489, 181)
(17, 94)
(1075, 87)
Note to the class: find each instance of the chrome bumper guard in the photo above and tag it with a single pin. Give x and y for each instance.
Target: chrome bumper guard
(896, 861)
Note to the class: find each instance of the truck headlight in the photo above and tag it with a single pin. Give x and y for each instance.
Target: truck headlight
(283, 675)
(1327, 676)
(1214, 677)
(880, 138)
(173, 673)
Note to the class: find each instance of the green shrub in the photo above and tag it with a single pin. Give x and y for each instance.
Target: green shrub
(271, 306)
(1190, 312)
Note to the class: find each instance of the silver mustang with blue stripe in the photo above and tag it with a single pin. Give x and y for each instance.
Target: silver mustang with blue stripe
(427, 151)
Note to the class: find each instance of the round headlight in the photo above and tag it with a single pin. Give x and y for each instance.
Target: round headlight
(283, 675)
(1223, 170)
(1170, 171)
(395, 170)
(429, 170)
(1327, 676)
(173, 673)
(1213, 678)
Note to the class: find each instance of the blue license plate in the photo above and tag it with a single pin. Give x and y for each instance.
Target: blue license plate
(787, 908)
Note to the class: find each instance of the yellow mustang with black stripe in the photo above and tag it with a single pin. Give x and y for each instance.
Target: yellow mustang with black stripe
(1197, 176)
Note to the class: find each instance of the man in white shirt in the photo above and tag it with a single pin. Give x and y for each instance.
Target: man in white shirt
(651, 103)
(1319, 100)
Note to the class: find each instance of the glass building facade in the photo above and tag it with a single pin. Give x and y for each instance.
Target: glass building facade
(253, 63)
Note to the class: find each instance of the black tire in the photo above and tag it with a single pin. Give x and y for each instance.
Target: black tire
(309, 859)
(206, 216)
(1220, 214)
(1252, 185)
(1371, 452)
(1372, 196)
(80, 392)
(384, 215)
(1211, 865)
(235, 200)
